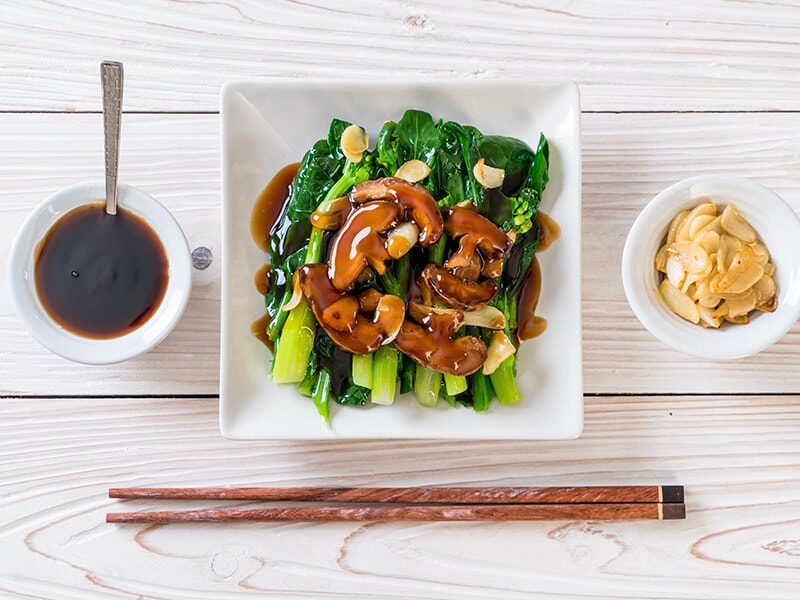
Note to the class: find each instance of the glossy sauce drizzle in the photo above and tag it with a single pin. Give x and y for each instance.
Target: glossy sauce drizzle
(269, 205)
(259, 329)
(550, 230)
(529, 325)
(266, 211)
(261, 279)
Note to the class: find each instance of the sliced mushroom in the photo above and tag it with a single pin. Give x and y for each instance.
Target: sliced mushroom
(471, 271)
(416, 200)
(455, 292)
(486, 316)
(368, 300)
(359, 243)
(474, 231)
(343, 319)
(431, 342)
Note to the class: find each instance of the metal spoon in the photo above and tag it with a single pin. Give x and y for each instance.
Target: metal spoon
(112, 78)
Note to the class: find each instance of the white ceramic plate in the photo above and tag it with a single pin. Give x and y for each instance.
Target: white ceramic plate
(269, 124)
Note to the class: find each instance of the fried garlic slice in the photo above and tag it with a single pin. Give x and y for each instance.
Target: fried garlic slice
(678, 302)
(715, 269)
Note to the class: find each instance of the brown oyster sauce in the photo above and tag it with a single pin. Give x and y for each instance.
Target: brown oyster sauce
(269, 205)
(529, 325)
(100, 276)
(266, 210)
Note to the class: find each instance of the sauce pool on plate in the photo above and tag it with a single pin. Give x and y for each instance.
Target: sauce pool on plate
(265, 213)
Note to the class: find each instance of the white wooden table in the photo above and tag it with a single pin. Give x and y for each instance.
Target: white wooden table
(669, 90)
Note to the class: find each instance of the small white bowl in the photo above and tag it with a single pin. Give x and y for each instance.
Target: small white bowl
(54, 337)
(776, 224)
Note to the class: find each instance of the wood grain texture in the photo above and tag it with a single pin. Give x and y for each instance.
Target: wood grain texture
(678, 55)
(66, 436)
(627, 159)
(413, 512)
(736, 456)
(422, 494)
(174, 158)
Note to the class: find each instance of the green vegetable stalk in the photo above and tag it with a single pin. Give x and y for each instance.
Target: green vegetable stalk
(362, 369)
(504, 381)
(384, 374)
(292, 354)
(482, 392)
(306, 355)
(294, 348)
(321, 395)
(426, 386)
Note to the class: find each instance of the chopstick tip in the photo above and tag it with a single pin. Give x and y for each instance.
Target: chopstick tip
(673, 511)
(672, 493)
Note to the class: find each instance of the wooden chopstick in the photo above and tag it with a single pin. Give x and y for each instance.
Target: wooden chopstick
(461, 512)
(423, 495)
(415, 503)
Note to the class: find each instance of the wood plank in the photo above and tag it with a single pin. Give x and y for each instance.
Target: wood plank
(628, 159)
(736, 456)
(174, 158)
(679, 55)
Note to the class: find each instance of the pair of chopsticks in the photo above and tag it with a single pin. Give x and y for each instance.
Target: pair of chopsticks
(602, 503)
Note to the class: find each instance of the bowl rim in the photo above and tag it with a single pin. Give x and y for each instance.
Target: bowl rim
(69, 345)
(639, 275)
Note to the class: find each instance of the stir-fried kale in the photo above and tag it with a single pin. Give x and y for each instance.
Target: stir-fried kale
(451, 150)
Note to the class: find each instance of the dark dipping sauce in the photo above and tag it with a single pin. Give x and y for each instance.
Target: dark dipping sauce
(100, 276)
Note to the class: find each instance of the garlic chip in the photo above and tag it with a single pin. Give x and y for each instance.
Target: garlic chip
(354, 143)
(413, 171)
(488, 177)
(714, 267)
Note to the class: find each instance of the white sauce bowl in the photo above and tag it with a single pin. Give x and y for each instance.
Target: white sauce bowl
(776, 224)
(54, 337)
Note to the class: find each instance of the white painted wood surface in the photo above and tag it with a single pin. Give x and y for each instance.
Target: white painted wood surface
(669, 89)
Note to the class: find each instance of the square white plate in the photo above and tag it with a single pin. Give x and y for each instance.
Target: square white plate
(269, 124)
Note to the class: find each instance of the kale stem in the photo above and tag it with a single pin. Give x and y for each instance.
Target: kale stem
(277, 322)
(504, 381)
(321, 395)
(386, 362)
(294, 349)
(426, 386)
(436, 252)
(384, 374)
(297, 338)
(362, 369)
(482, 392)
(455, 384)
(315, 246)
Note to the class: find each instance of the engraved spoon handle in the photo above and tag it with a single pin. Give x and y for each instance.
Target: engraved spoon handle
(112, 78)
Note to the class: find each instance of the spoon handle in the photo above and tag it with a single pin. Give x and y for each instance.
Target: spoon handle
(112, 77)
